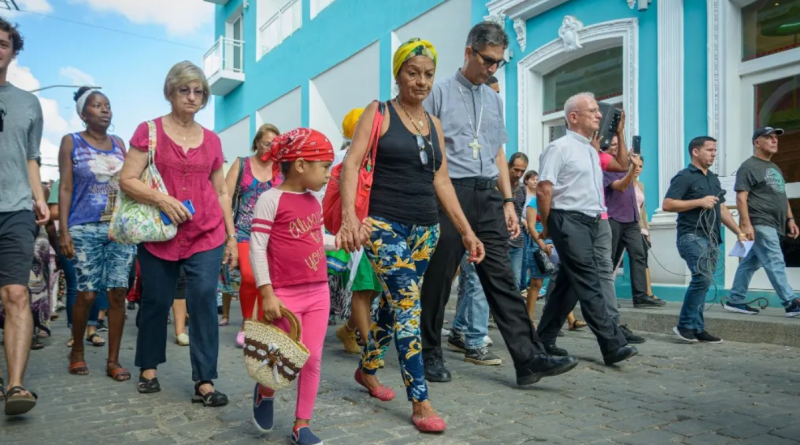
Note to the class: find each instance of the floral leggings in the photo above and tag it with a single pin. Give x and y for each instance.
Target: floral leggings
(399, 254)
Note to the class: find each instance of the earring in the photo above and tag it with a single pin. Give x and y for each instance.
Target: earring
(112, 128)
(84, 124)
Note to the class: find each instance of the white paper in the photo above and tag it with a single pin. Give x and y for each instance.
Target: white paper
(741, 249)
(727, 183)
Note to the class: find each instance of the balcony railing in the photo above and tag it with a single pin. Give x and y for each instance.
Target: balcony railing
(281, 25)
(224, 65)
(318, 5)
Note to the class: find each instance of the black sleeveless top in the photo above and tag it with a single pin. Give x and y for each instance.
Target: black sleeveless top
(402, 188)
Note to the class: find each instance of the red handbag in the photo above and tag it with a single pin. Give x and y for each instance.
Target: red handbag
(332, 202)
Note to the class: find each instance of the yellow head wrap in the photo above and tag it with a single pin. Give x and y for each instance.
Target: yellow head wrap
(350, 121)
(412, 48)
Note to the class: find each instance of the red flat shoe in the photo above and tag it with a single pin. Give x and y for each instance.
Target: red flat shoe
(382, 393)
(430, 424)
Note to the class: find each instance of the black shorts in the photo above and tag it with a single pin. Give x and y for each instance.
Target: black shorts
(17, 233)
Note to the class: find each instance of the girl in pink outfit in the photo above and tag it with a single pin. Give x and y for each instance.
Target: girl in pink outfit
(287, 253)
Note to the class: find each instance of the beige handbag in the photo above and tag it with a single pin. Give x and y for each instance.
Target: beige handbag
(273, 357)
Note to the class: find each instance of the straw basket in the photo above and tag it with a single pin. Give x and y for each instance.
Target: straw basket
(273, 357)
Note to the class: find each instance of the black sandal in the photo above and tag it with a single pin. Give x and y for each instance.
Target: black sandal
(214, 398)
(99, 343)
(18, 404)
(146, 386)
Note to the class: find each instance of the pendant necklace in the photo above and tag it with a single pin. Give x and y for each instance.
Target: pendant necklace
(474, 145)
(423, 156)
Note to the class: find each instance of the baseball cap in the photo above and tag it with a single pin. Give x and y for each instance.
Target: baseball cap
(766, 131)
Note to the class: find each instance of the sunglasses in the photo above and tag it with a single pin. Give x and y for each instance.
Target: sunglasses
(488, 61)
(423, 156)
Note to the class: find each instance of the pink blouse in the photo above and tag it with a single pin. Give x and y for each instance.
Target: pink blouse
(188, 176)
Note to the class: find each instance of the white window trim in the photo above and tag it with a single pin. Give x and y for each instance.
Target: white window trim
(277, 17)
(728, 79)
(532, 68)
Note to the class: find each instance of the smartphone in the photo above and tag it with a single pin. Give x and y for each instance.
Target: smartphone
(637, 145)
(188, 204)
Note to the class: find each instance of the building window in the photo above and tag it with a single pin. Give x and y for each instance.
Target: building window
(769, 27)
(599, 72)
(318, 5)
(280, 25)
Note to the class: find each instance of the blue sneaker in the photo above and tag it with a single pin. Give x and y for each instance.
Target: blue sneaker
(304, 436)
(740, 308)
(793, 310)
(263, 411)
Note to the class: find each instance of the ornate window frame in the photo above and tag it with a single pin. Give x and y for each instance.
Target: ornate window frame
(532, 68)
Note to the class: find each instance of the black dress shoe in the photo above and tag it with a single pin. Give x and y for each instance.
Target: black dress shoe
(209, 399)
(619, 355)
(647, 301)
(543, 365)
(552, 349)
(435, 370)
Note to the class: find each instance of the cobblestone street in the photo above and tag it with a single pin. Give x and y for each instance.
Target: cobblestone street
(670, 393)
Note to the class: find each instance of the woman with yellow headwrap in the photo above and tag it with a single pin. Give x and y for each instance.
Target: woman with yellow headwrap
(410, 179)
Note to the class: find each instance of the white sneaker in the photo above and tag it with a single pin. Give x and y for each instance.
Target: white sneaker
(445, 332)
(487, 341)
(182, 339)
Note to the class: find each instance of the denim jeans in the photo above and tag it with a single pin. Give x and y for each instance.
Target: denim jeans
(159, 281)
(472, 309)
(515, 254)
(766, 252)
(693, 249)
(72, 291)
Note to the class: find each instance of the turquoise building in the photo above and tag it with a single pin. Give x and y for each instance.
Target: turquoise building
(679, 69)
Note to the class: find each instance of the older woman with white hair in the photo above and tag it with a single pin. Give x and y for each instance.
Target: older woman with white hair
(189, 159)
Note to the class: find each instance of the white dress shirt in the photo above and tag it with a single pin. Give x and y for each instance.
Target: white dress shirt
(572, 166)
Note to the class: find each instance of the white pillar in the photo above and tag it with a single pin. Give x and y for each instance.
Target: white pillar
(671, 146)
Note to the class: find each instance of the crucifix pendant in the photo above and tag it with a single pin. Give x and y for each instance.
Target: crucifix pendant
(475, 146)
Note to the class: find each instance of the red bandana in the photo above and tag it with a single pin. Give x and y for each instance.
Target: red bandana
(305, 143)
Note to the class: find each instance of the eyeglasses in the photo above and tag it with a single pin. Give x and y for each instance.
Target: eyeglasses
(488, 61)
(184, 91)
(590, 110)
(423, 156)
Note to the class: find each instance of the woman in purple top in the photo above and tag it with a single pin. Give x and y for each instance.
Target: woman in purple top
(89, 164)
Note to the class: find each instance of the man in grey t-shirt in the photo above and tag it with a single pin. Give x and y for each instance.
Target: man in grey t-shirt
(764, 216)
(20, 191)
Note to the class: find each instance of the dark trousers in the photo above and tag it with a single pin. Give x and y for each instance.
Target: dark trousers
(628, 237)
(483, 207)
(159, 280)
(574, 236)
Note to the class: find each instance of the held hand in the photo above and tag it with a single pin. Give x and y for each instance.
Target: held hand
(231, 254)
(793, 231)
(548, 249)
(621, 126)
(175, 210)
(747, 230)
(366, 231)
(271, 306)
(709, 202)
(512, 221)
(634, 161)
(65, 244)
(474, 247)
(349, 235)
(42, 212)
(742, 237)
(595, 142)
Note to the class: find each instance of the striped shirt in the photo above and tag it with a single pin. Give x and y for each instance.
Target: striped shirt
(287, 242)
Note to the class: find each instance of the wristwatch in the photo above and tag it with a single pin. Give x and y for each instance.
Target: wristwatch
(230, 236)
(507, 200)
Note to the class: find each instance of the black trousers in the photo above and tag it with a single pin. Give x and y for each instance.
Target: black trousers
(483, 206)
(628, 237)
(573, 235)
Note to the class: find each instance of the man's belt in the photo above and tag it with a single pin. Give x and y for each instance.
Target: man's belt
(580, 216)
(475, 183)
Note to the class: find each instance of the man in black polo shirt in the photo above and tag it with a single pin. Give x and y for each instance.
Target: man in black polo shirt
(695, 193)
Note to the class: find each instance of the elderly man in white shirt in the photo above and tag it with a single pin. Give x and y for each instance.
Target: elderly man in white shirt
(570, 202)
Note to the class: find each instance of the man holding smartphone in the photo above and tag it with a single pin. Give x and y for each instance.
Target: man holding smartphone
(623, 216)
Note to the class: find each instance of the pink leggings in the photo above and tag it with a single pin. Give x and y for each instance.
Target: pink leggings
(311, 303)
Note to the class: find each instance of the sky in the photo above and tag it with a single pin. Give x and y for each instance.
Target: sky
(124, 46)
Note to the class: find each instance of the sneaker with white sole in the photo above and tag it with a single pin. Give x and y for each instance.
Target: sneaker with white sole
(487, 341)
(445, 332)
(705, 337)
(481, 356)
(793, 310)
(686, 335)
(263, 411)
(740, 308)
(304, 436)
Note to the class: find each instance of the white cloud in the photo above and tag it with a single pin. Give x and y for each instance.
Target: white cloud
(54, 123)
(38, 6)
(76, 76)
(180, 17)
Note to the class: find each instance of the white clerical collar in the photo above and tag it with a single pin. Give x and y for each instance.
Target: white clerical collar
(578, 136)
